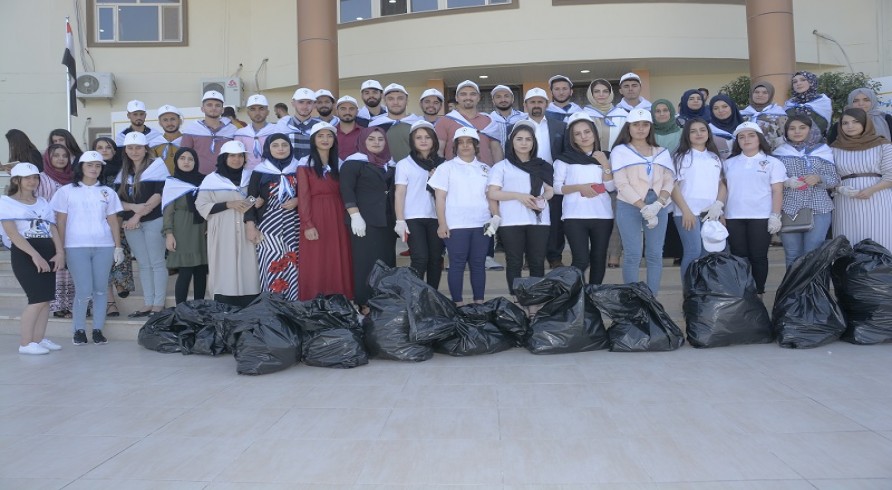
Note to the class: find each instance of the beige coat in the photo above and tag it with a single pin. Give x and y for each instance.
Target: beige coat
(232, 259)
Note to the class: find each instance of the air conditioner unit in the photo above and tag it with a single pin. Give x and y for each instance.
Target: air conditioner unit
(95, 85)
(231, 88)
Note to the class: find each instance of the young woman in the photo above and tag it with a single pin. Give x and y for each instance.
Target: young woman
(518, 189)
(57, 173)
(184, 229)
(644, 178)
(866, 100)
(112, 156)
(121, 278)
(666, 132)
(810, 172)
(755, 182)
(273, 223)
(65, 138)
(366, 182)
(29, 231)
(725, 119)
(864, 162)
(608, 118)
(698, 187)
(223, 201)
(691, 105)
(806, 100)
(86, 214)
(764, 112)
(416, 216)
(21, 149)
(322, 219)
(140, 184)
(463, 214)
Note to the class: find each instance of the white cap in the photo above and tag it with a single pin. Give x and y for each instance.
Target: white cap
(212, 95)
(713, 233)
(304, 94)
(319, 126)
(421, 123)
(169, 108)
(636, 115)
(371, 84)
(134, 138)
(500, 87)
(324, 93)
(465, 131)
(747, 126)
(579, 116)
(527, 123)
(559, 78)
(257, 99)
(629, 76)
(136, 105)
(432, 91)
(91, 156)
(535, 92)
(232, 147)
(395, 87)
(467, 83)
(347, 100)
(26, 169)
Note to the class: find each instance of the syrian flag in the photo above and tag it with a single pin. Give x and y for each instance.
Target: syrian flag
(71, 67)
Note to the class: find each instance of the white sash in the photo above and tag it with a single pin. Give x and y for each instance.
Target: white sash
(174, 189)
(491, 130)
(628, 157)
(216, 182)
(821, 106)
(821, 151)
(771, 110)
(615, 112)
(719, 132)
(384, 118)
(286, 190)
(155, 172)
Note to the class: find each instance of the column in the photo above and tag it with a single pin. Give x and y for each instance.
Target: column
(769, 27)
(317, 45)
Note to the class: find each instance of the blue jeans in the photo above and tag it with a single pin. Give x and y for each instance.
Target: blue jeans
(631, 224)
(691, 243)
(148, 247)
(798, 244)
(467, 246)
(89, 268)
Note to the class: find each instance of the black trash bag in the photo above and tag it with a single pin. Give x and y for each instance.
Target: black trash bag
(161, 332)
(863, 285)
(207, 335)
(567, 321)
(265, 335)
(332, 336)
(510, 319)
(640, 324)
(805, 314)
(387, 326)
(476, 333)
(721, 306)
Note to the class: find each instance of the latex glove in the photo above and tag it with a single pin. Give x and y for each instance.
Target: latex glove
(402, 230)
(650, 210)
(795, 183)
(492, 226)
(119, 256)
(774, 223)
(846, 190)
(652, 222)
(357, 224)
(714, 211)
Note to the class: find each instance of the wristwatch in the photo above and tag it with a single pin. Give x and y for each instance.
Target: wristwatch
(607, 171)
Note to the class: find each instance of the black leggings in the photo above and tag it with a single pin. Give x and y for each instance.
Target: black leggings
(749, 238)
(185, 275)
(556, 231)
(427, 249)
(529, 240)
(588, 239)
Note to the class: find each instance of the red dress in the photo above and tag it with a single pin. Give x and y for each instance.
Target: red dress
(325, 264)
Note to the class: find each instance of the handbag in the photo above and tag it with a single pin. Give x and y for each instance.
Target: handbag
(800, 222)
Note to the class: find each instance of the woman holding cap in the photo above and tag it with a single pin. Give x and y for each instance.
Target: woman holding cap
(806, 100)
(86, 214)
(582, 174)
(29, 231)
(463, 214)
(139, 186)
(725, 119)
(223, 201)
(644, 178)
(691, 105)
(416, 214)
(273, 224)
(755, 182)
(321, 212)
(121, 278)
(57, 173)
(764, 112)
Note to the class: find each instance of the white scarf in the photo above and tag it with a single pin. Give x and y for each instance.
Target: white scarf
(385, 119)
(365, 114)
(719, 132)
(174, 189)
(249, 132)
(821, 106)
(491, 130)
(216, 182)
(286, 190)
(821, 151)
(624, 156)
(155, 172)
(618, 112)
(38, 214)
(643, 104)
(771, 110)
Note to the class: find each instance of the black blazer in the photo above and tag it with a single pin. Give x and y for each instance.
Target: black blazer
(365, 186)
(556, 130)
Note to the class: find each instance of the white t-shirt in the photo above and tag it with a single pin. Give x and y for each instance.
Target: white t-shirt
(577, 206)
(513, 179)
(465, 186)
(749, 185)
(31, 220)
(698, 179)
(419, 202)
(87, 208)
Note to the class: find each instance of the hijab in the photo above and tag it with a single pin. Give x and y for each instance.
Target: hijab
(227, 172)
(866, 140)
(810, 94)
(687, 113)
(879, 117)
(669, 126)
(759, 107)
(113, 166)
(379, 160)
(63, 176)
(574, 156)
(602, 108)
(540, 171)
(193, 177)
(279, 163)
(731, 122)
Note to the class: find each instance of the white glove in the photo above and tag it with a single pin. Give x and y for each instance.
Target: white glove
(846, 190)
(794, 183)
(774, 223)
(492, 226)
(401, 229)
(714, 211)
(119, 256)
(650, 210)
(357, 224)
(652, 222)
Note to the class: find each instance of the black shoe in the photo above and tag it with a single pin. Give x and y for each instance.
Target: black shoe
(80, 337)
(98, 338)
(123, 294)
(140, 314)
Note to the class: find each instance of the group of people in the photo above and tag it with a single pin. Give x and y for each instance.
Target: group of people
(307, 205)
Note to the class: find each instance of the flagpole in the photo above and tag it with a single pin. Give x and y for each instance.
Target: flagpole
(67, 88)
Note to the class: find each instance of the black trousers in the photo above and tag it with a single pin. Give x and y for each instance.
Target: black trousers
(588, 239)
(185, 275)
(427, 249)
(749, 238)
(520, 241)
(379, 243)
(240, 301)
(556, 232)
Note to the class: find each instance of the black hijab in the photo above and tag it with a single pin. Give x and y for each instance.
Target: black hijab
(267, 155)
(112, 167)
(227, 172)
(572, 155)
(193, 177)
(540, 171)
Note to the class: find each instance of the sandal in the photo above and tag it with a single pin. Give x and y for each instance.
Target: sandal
(62, 314)
(111, 309)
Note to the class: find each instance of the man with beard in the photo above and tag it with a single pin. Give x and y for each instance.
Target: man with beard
(395, 122)
(325, 107)
(281, 110)
(207, 136)
(347, 130)
(431, 102)
(166, 146)
(467, 96)
(561, 108)
(630, 88)
(254, 135)
(136, 113)
(298, 126)
(371, 92)
(505, 115)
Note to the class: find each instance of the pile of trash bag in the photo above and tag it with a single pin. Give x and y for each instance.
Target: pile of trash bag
(721, 306)
(487, 328)
(805, 314)
(192, 327)
(863, 285)
(640, 324)
(332, 335)
(265, 336)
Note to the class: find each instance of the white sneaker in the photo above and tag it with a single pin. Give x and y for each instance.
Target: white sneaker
(33, 349)
(49, 344)
(492, 265)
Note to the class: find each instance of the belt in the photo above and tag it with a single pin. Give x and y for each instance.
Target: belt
(853, 176)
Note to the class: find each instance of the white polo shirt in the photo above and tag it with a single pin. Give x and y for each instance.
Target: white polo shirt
(577, 206)
(749, 185)
(465, 186)
(419, 202)
(513, 179)
(87, 208)
(698, 179)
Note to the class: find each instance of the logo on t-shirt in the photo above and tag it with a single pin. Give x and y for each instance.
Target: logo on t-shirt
(38, 229)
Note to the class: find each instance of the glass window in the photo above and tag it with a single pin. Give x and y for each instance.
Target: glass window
(353, 10)
(356, 10)
(393, 7)
(452, 4)
(424, 5)
(137, 21)
(107, 24)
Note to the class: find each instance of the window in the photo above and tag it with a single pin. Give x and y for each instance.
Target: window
(357, 10)
(137, 22)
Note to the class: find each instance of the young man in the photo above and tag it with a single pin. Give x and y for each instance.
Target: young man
(325, 107)
(630, 88)
(254, 135)
(281, 110)
(395, 121)
(229, 111)
(297, 127)
(347, 129)
(560, 107)
(136, 113)
(431, 101)
(371, 92)
(207, 136)
(505, 115)
(467, 95)
(166, 146)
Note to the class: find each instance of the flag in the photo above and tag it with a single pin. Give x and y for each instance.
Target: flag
(71, 67)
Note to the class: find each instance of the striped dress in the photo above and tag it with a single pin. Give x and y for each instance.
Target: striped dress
(858, 219)
(277, 254)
